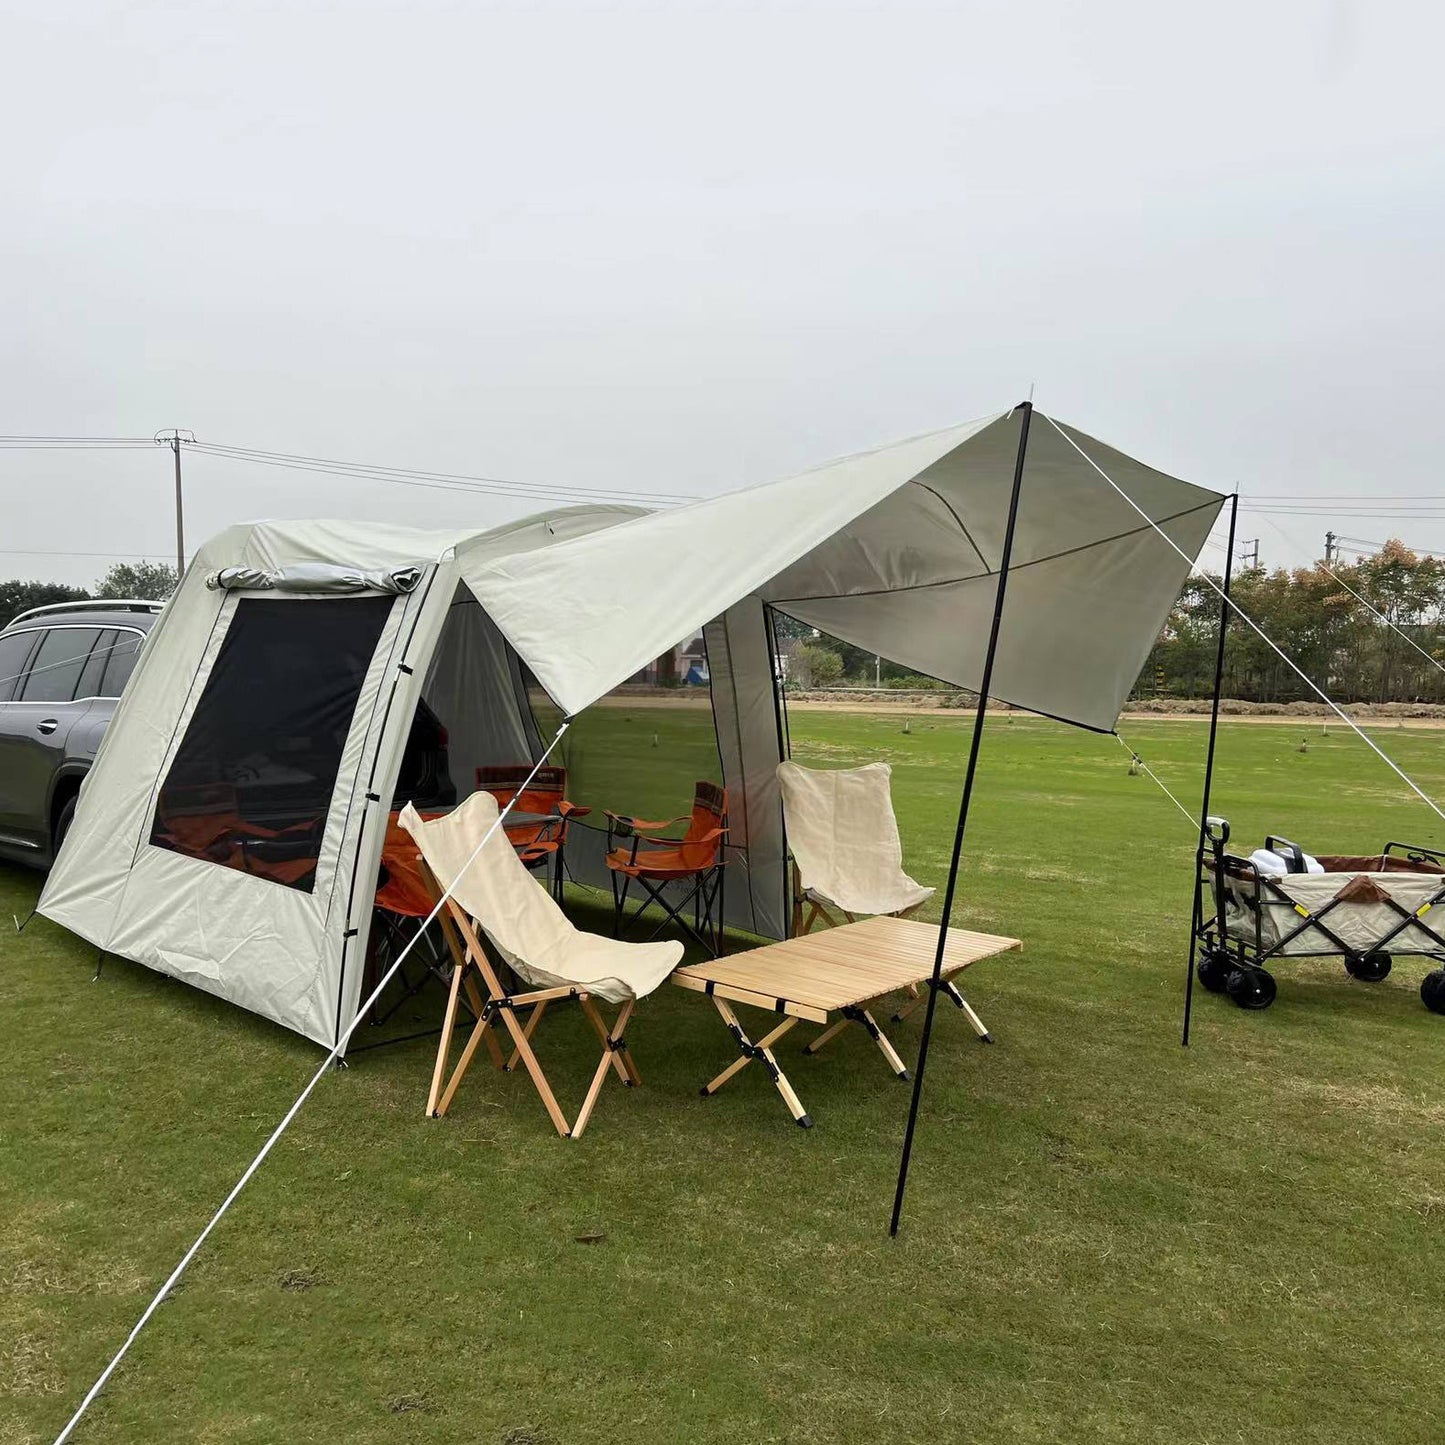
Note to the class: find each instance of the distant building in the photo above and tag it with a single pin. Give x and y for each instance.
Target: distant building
(683, 665)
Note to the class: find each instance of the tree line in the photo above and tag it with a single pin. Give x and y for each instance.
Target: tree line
(1320, 618)
(150, 581)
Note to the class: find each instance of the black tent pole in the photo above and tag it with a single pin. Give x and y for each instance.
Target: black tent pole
(1197, 915)
(985, 683)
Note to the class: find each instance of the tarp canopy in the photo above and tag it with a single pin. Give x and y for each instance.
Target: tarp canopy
(895, 550)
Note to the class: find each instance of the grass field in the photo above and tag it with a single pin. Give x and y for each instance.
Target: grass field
(1107, 1238)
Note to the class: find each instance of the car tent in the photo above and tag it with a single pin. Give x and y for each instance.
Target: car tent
(231, 829)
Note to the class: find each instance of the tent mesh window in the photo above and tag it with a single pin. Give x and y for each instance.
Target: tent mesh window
(253, 779)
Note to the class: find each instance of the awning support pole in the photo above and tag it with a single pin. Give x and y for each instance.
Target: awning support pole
(1196, 916)
(985, 683)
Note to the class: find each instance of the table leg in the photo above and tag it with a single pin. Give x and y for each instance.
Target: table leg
(949, 991)
(762, 1051)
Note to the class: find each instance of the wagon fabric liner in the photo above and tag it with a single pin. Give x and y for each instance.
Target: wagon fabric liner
(1356, 906)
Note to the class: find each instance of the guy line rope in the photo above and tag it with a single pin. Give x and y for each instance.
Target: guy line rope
(295, 1108)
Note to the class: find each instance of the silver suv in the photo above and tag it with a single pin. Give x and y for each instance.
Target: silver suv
(61, 670)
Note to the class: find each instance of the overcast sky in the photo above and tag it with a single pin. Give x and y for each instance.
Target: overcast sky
(681, 248)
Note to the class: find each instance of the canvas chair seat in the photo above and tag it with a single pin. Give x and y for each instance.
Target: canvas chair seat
(847, 855)
(524, 930)
(844, 838)
(665, 863)
(528, 929)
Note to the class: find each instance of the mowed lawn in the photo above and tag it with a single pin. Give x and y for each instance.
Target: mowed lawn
(1107, 1238)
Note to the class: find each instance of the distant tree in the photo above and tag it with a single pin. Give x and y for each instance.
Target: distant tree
(812, 666)
(17, 597)
(789, 629)
(151, 581)
(1317, 617)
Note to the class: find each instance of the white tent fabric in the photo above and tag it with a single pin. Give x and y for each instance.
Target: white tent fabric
(516, 912)
(895, 550)
(844, 836)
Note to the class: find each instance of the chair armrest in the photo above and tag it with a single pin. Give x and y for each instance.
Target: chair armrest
(642, 825)
(572, 810)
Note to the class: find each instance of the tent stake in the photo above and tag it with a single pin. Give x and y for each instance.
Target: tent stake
(985, 683)
(1196, 915)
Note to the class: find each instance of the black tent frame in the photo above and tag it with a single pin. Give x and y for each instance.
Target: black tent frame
(1195, 917)
(936, 983)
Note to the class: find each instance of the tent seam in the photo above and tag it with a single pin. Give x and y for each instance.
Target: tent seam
(933, 491)
(976, 577)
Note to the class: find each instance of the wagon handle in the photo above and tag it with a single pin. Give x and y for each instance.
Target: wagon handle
(1413, 851)
(1217, 830)
(1292, 850)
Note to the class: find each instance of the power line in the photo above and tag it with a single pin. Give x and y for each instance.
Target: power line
(1379, 546)
(1313, 497)
(365, 471)
(78, 446)
(540, 492)
(33, 552)
(454, 481)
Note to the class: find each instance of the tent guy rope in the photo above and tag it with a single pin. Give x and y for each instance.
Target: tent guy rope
(295, 1108)
(1149, 772)
(1269, 642)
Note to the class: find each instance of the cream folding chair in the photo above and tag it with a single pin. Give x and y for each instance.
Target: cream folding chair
(847, 856)
(499, 920)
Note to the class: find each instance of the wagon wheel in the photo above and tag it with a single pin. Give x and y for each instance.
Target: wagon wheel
(1213, 969)
(1370, 967)
(1432, 991)
(1250, 988)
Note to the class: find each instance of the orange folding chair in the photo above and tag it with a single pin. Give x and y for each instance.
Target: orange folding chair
(542, 838)
(638, 851)
(203, 820)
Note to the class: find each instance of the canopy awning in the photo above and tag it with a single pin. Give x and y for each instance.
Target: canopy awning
(894, 550)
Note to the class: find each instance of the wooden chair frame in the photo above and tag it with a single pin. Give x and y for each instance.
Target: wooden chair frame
(473, 956)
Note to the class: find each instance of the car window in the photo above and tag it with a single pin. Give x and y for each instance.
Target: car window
(120, 664)
(94, 669)
(57, 664)
(14, 649)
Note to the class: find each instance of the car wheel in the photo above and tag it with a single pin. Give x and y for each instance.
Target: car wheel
(62, 825)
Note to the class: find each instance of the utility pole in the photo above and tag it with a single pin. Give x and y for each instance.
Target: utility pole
(1329, 548)
(173, 440)
(1250, 554)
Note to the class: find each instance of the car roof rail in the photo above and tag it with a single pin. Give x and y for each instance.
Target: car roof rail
(92, 604)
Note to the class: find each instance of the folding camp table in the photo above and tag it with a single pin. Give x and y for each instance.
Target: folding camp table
(841, 971)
